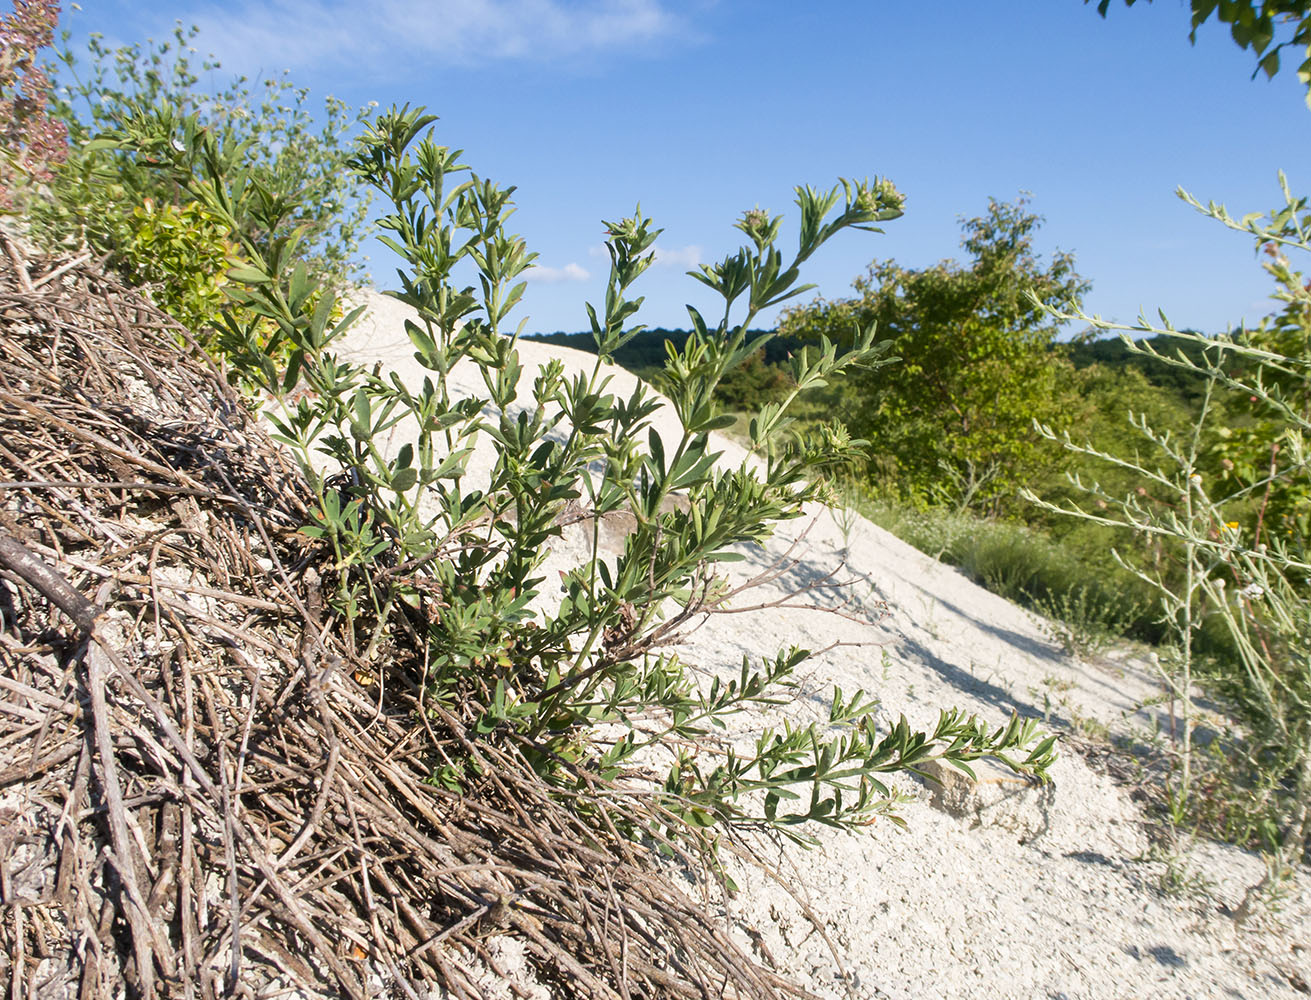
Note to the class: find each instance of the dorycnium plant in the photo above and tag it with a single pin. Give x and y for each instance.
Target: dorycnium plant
(577, 672)
(1252, 575)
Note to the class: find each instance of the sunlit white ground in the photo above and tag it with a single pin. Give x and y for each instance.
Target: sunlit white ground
(951, 909)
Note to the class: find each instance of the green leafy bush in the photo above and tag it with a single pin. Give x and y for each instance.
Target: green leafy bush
(183, 252)
(123, 205)
(1086, 620)
(977, 363)
(584, 687)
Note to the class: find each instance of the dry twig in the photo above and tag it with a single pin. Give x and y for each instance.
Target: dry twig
(197, 797)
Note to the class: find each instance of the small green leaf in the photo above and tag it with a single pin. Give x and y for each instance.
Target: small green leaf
(404, 479)
(248, 275)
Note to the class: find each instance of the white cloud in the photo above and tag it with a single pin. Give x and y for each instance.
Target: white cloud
(687, 258)
(554, 275)
(389, 33)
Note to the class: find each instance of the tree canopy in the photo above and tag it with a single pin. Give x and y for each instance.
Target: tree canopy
(1264, 26)
(954, 420)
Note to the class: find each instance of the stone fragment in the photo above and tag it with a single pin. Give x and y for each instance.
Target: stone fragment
(999, 798)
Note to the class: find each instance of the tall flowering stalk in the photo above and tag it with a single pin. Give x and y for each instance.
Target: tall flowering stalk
(33, 142)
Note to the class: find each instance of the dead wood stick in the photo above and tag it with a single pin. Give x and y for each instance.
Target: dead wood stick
(59, 592)
(134, 910)
(18, 559)
(230, 821)
(104, 444)
(114, 484)
(146, 368)
(60, 271)
(35, 767)
(19, 264)
(262, 860)
(168, 863)
(33, 694)
(186, 898)
(311, 823)
(18, 960)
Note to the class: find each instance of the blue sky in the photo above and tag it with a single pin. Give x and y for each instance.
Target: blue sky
(704, 108)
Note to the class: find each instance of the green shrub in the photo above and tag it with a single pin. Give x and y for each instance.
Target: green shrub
(183, 256)
(751, 385)
(121, 204)
(586, 690)
(1086, 620)
(183, 251)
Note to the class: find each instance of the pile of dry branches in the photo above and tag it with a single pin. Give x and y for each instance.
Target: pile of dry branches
(202, 792)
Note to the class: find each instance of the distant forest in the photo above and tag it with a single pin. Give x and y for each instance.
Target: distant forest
(645, 354)
(1113, 353)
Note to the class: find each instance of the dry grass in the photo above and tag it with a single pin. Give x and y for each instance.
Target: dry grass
(204, 792)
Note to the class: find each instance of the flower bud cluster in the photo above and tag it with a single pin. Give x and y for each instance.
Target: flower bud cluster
(755, 221)
(879, 196)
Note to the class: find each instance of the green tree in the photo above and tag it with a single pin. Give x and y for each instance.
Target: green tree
(1264, 26)
(1107, 391)
(953, 423)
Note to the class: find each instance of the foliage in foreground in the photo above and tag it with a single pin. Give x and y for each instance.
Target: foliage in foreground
(1253, 576)
(578, 679)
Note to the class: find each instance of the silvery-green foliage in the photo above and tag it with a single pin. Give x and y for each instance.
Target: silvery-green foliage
(1253, 576)
(587, 689)
(290, 147)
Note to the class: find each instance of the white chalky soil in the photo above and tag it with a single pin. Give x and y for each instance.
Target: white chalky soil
(952, 909)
